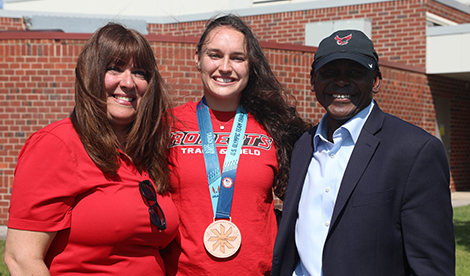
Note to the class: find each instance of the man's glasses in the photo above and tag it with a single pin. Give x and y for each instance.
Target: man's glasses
(148, 192)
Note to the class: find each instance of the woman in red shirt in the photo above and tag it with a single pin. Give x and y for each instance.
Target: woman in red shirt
(238, 138)
(90, 194)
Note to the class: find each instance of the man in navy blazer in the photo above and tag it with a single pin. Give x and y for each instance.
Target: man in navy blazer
(368, 193)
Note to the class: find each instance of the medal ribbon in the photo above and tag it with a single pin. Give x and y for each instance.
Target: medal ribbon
(221, 202)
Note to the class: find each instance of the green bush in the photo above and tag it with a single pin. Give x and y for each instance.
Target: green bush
(3, 267)
(462, 240)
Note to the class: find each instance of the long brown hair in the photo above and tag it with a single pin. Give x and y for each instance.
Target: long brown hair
(148, 135)
(265, 98)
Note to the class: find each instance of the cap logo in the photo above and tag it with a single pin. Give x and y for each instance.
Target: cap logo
(343, 40)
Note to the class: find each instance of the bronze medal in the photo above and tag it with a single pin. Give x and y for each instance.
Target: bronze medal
(222, 238)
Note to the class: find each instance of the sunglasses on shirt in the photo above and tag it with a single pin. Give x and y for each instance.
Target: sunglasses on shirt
(148, 192)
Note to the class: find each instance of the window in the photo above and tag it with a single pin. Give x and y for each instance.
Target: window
(315, 32)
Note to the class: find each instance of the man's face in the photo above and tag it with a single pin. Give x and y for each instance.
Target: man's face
(344, 88)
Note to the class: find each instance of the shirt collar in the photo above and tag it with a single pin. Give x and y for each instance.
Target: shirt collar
(353, 126)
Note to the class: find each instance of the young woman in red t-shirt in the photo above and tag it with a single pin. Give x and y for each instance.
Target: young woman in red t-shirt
(243, 103)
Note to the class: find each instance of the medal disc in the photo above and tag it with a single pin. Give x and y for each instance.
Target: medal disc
(222, 238)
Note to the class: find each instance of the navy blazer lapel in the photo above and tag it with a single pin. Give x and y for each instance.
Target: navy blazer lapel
(299, 166)
(363, 151)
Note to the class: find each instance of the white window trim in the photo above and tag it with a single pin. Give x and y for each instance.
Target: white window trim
(441, 21)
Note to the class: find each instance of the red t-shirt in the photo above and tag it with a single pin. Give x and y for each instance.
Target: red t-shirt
(252, 207)
(103, 224)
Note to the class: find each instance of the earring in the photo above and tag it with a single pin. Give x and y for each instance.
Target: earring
(198, 66)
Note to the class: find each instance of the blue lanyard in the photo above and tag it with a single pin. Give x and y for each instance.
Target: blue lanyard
(224, 192)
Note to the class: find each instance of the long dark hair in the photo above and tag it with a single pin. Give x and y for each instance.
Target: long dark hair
(148, 135)
(265, 98)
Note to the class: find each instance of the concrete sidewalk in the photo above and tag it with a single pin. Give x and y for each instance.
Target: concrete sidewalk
(459, 199)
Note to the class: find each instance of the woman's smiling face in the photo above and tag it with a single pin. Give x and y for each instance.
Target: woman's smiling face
(125, 86)
(223, 63)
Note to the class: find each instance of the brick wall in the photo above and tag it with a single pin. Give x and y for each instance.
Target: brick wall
(36, 89)
(447, 12)
(11, 24)
(398, 27)
(37, 78)
(459, 94)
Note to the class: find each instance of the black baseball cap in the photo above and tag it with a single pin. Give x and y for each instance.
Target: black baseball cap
(346, 44)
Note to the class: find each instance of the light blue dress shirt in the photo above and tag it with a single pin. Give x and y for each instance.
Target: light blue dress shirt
(320, 190)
